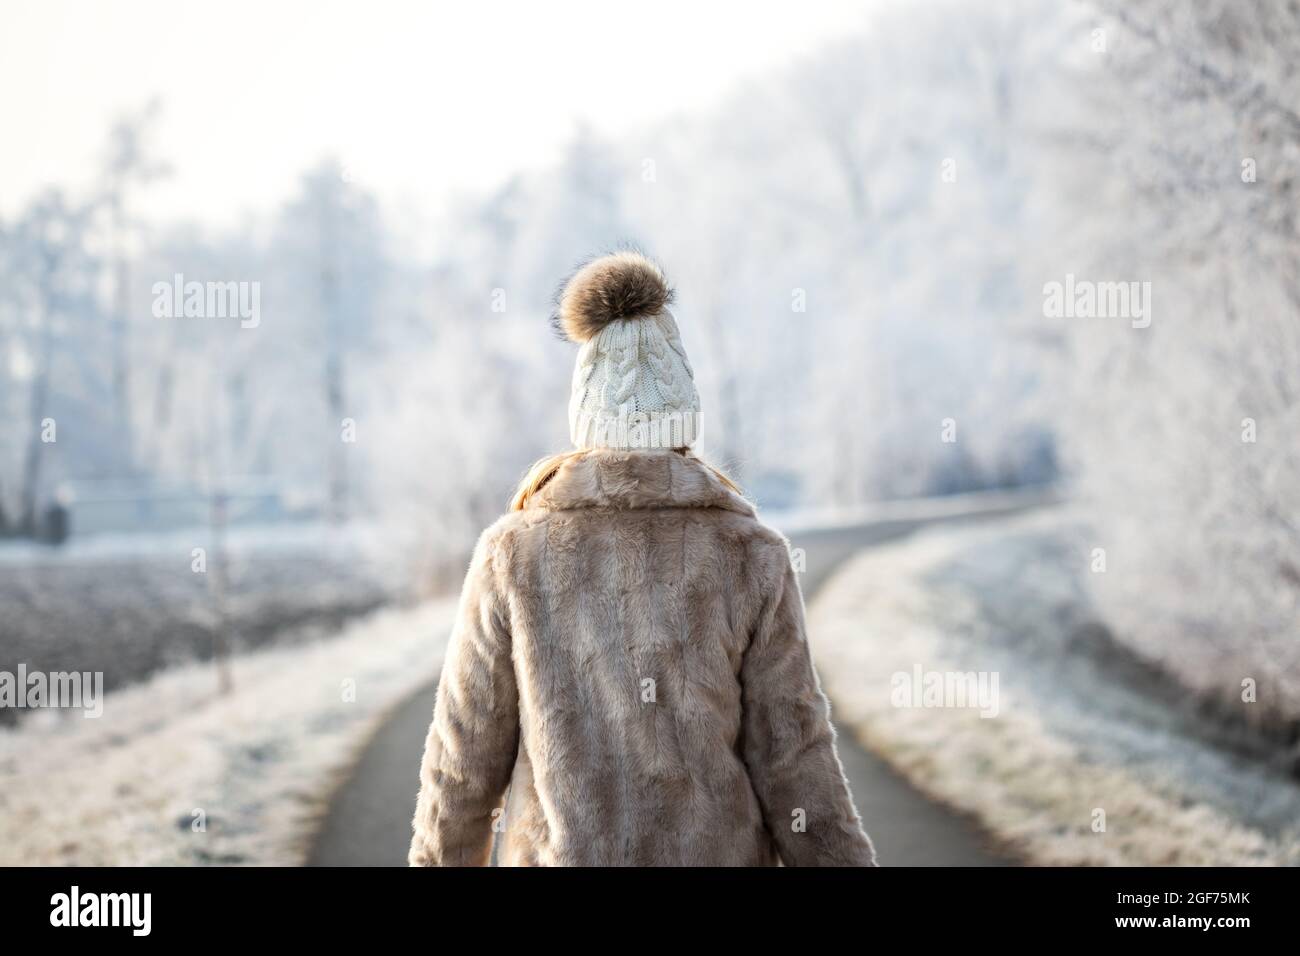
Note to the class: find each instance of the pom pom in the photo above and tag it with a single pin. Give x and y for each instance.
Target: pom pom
(623, 285)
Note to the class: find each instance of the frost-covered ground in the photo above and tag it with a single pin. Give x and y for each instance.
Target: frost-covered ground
(1084, 727)
(173, 774)
(914, 512)
(131, 606)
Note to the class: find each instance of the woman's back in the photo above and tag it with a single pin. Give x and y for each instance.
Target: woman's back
(630, 664)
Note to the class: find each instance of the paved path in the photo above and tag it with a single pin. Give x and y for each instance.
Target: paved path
(369, 822)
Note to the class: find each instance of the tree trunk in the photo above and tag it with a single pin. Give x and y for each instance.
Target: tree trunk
(334, 383)
(37, 407)
(217, 588)
(120, 345)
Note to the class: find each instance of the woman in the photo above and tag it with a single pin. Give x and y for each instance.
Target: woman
(629, 660)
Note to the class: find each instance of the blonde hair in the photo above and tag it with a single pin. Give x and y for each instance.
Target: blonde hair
(544, 470)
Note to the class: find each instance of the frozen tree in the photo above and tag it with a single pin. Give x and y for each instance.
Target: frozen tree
(329, 239)
(1183, 431)
(49, 303)
(840, 296)
(853, 229)
(128, 167)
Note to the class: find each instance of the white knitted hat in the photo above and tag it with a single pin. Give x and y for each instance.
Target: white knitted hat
(632, 387)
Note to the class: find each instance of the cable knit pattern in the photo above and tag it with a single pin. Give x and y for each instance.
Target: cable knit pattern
(633, 387)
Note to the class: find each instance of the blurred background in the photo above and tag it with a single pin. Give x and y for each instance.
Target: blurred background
(250, 508)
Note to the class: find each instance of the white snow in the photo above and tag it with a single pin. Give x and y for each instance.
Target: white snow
(256, 767)
(283, 538)
(1064, 746)
(922, 510)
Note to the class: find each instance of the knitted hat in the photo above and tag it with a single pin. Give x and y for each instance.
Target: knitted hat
(633, 387)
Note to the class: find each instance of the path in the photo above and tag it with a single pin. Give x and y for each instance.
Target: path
(369, 821)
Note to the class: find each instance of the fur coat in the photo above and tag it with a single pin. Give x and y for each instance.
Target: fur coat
(630, 670)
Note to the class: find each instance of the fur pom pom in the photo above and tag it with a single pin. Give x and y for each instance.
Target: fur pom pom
(623, 285)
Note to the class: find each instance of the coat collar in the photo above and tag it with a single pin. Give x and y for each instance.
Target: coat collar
(636, 479)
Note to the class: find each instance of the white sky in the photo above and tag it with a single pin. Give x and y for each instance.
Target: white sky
(420, 99)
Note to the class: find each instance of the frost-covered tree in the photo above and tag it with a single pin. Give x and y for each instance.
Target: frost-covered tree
(51, 374)
(853, 229)
(329, 271)
(1177, 166)
(129, 165)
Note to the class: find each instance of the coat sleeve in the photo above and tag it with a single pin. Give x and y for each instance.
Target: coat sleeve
(470, 750)
(789, 744)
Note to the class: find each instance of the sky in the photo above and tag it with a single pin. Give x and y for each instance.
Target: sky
(419, 100)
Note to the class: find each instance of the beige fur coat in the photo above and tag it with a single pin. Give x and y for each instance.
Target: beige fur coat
(630, 671)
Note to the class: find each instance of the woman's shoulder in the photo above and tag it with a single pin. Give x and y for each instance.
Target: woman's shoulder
(498, 533)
